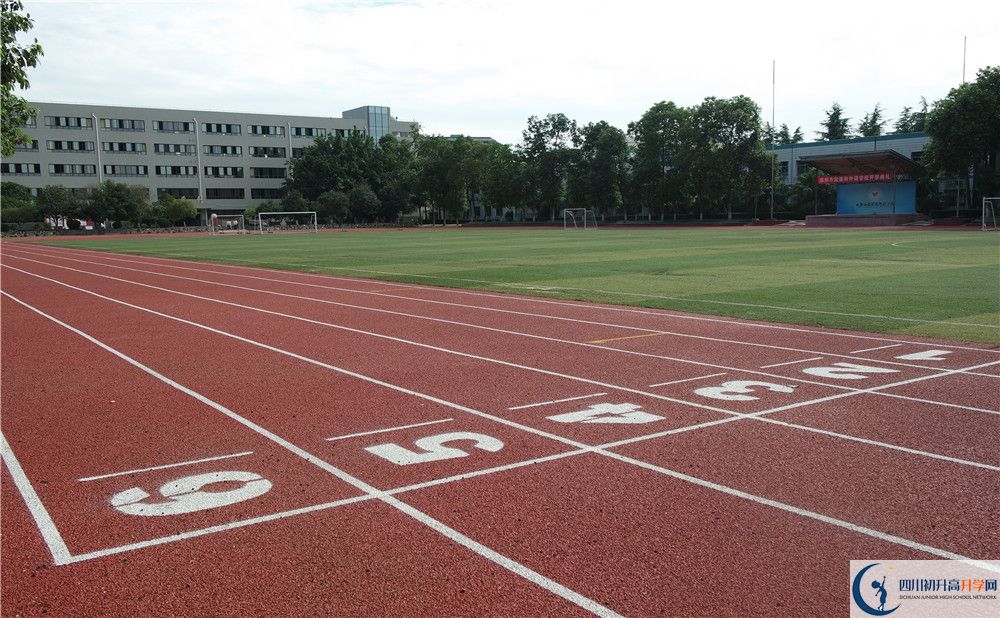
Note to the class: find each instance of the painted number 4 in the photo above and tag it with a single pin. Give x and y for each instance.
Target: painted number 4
(433, 448)
(608, 413)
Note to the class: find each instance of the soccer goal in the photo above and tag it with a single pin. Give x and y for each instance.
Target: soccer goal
(990, 207)
(579, 218)
(228, 224)
(303, 221)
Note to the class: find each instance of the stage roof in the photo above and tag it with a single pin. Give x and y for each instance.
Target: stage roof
(863, 163)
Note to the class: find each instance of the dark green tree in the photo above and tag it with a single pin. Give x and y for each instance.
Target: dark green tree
(14, 110)
(546, 144)
(598, 177)
(506, 183)
(363, 203)
(333, 206)
(873, 124)
(836, 126)
(657, 182)
(395, 176)
(58, 200)
(116, 201)
(294, 201)
(13, 195)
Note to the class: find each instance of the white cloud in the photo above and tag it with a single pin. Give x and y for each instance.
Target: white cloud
(483, 67)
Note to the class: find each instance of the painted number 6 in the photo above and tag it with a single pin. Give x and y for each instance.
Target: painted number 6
(185, 495)
(434, 448)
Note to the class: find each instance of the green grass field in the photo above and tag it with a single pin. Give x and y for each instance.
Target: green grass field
(925, 282)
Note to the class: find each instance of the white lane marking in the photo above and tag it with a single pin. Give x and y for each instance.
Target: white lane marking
(576, 598)
(446, 531)
(164, 466)
(170, 263)
(794, 362)
(426, 346)
(608, 414)
(881, 347)
(387, 429)
(547, 403)
(847, 371)
(926, 355)
(711, 375)
(47, 527)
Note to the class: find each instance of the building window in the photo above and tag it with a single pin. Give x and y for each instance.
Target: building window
(176, 149)
(783, 169)
(126, 170)
(267, 172)
(121, 124)
(69, 122)
(171, 126)
(21, 169)
(64, 145)
(31, 121)
(259, 129)
(223, 151)
(190, 194)
(801, 167)
(307, 132)
(267, 194)
(223, 172)
(224, 194)
(132, 147)
(176, 170)
(297, 152)
(58, 169)
(267, 151)
(32, 147)
(220, 128)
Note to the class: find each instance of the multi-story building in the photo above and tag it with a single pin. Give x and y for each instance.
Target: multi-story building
(790, 156)
(226, 161)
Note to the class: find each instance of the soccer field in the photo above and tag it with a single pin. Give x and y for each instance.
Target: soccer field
(924, 282)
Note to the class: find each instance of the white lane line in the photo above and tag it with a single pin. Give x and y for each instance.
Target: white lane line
(388, 429)
(446, 531)
(164, 466)
(711, 375)
(794, 362)
(881, 347)
(47, 527)
(567, 441)
(171, 263)
(491, 309)
(547, 403)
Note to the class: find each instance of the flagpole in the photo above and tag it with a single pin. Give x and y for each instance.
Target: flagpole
(773, 154)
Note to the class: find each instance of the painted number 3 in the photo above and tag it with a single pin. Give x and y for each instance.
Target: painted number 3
(434, 448)
(186, 495)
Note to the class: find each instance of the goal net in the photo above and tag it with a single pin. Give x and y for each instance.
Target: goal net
(579, 218)
(227, 224)
(270, 222)
(990, 207)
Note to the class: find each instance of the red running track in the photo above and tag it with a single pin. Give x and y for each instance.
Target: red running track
(549, 457)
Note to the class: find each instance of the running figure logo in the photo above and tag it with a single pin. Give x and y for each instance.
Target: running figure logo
(880, 592)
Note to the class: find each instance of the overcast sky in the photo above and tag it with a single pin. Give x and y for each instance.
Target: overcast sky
(481, 68)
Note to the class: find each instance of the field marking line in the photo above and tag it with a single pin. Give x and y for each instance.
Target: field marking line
(387, 430)
(711, 375)
(164, 467)
(734, 416)
(479, 327)
(881, 347)
(566, 441)
(547, 403)
(629, 337)
(794, 362)
(43, 521)
(166, 262)
(438, 526)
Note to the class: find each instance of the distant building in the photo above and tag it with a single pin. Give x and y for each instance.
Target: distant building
(227, 161)
(910, 145)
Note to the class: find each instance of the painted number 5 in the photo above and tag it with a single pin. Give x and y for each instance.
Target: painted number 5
(434, 448)
(185, 495)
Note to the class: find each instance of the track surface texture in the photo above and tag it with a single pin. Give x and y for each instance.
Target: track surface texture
(182, 438)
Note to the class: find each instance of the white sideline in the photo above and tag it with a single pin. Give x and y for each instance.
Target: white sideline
(167, 262)
(387, 430)
(384, 496)
(548, 403)
(492, 329)
(446, 531)
(164, 466)
(733, 416)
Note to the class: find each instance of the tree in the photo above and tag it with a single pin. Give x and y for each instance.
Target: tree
(58, 200)
(506, 181)
(333, 206)
(395, 177)
(116, 201)
(598, 176)
(910, 121)
(873, 124)
(442, 175)
(294, 202)
(15, 111)
(179, 210)
(835, 125)
(656, 180)
(333, 162)
(965, 132)
(15, 195)
(363, 203)
(546, 146)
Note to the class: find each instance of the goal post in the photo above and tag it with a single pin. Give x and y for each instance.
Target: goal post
(579, 218)
(302, 221)
(990, 207)
(227, 224)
